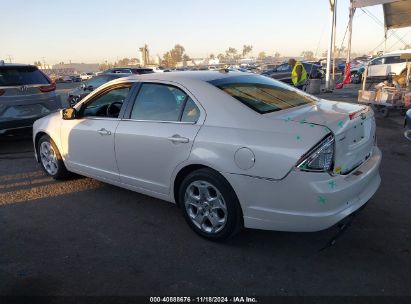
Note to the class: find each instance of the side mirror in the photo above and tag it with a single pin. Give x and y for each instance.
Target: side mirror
(83, 86)
(69, 113)
(90, 88)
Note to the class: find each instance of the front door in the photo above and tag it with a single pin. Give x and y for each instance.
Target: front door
(89, 139)
(157, 136)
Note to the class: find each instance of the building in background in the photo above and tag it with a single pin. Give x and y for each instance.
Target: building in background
(77, 68)
(144, 55)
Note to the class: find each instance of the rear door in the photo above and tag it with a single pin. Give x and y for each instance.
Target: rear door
(156, 135)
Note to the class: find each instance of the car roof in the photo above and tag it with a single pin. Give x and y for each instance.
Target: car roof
(190, 75)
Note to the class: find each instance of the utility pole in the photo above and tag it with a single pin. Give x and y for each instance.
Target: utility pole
(44, 62)
(10, 58)
(333, 10)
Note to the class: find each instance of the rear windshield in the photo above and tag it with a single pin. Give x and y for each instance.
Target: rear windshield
(21, 75)
(263, 94)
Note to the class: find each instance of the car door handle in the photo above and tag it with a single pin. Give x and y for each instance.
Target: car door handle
(103, 132)
(178, 139)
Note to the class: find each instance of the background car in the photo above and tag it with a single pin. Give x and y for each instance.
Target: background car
(75, 78)
(283, 72)
(26, 94)
(381, 67)
(64, 79)
(158, 69)
(90, 85)
(129, 71)
(86, 76)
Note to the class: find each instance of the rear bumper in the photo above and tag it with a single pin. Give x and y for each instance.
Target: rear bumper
(306, 201)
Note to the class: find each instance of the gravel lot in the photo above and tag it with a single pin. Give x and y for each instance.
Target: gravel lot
(84, 237)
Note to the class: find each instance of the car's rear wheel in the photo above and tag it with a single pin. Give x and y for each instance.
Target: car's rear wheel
(210, 205)
(50, 158)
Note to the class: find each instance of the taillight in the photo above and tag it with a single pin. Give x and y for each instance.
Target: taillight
(48, 88)
(320, 158)
(2, 92)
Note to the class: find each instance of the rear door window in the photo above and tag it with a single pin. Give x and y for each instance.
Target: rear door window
(21, 75)
(159, 102)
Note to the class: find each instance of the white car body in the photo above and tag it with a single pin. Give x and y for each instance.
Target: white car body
(388, 63)
(256, 153)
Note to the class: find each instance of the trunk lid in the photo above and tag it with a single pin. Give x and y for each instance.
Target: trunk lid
(352, 125)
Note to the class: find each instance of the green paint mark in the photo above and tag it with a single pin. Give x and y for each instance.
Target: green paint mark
(304, 166)
(340, 123)
(298, 137)
(332, 184)
(303, 121)
(321, 200)
(287, 119)
(326, 129)
(312, 125)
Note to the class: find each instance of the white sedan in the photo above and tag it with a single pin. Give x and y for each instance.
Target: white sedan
(231, 149)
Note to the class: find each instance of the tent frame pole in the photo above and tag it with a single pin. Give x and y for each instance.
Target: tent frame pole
(333, 8)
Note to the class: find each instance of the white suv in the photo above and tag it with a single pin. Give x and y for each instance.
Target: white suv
(381, 67)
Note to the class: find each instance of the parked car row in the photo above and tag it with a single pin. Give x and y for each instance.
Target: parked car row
(283, 72)
(75, 95)
(68, 78)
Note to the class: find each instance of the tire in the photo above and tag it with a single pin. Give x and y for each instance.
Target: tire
(50, 158)
(216, 221)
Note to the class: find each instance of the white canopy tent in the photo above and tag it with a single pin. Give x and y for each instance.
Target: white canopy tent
(397, 14)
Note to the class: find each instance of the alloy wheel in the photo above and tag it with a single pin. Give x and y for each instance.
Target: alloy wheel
(205, 207)
(48, 158)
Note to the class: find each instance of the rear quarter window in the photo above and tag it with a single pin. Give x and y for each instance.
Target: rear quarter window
(21, 75)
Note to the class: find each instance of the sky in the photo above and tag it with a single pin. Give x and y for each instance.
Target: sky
(93, 31)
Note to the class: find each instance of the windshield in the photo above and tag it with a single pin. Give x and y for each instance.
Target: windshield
(263, 94)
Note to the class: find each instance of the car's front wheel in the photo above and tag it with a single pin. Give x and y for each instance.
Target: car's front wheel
(50, 158)
(210, 205)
